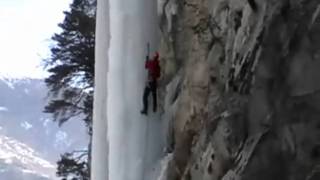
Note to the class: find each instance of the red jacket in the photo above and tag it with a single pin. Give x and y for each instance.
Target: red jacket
(153, 67)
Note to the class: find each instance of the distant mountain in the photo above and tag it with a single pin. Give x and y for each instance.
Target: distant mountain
(22, 119)
(19, 161)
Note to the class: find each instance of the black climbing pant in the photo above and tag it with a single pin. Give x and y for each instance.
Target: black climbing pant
(151, 87)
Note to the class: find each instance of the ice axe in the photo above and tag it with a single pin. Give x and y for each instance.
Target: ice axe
(148, 51)
(147, 59)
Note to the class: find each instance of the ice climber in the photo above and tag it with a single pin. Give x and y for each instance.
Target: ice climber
(153, 69)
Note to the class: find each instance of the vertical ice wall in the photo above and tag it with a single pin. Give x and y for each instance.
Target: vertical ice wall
(133, 139)
(133, 24)
(99, 163)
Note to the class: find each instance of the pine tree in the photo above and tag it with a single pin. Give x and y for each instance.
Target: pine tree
(71, 65)
(71, 80)
(73, 166)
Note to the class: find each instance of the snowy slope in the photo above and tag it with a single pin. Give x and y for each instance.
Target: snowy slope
(18, 159)
(22, 118)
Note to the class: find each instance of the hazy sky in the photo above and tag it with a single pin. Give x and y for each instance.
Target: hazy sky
(26, 28)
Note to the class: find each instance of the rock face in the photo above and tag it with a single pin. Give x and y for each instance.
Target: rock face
(246, 101)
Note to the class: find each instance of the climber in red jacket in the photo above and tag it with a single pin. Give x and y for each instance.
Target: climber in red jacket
(153, 68)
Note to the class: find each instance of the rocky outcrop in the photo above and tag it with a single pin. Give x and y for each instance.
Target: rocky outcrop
(247, 105)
